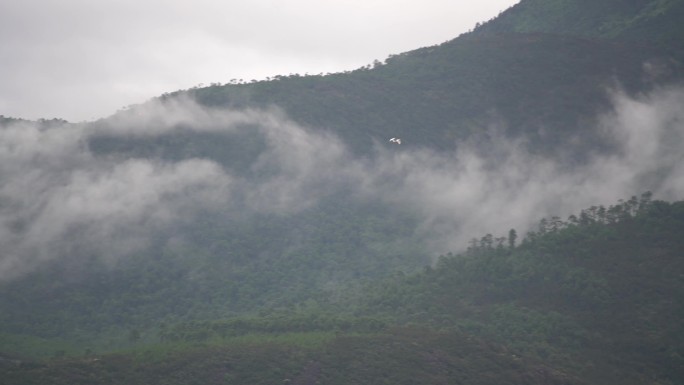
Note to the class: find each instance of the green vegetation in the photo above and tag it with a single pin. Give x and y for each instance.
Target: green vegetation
(225, 268)
(596, 298)
(344, 291)
(547, 89)
(642, 20)
(541, 71)
(601, 289)
(36, 347)
(404, 356)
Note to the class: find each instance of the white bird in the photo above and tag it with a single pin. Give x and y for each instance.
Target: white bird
(395, 140)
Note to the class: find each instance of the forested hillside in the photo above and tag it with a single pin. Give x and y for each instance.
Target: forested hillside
(595, 298)
(602, 290)
(543, 87)
(543, 70)
(640, 20)
(268, 232)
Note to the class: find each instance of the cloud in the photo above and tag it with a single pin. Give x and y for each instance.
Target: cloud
(59, 198)
(297, 167)
(650, 134)
(477, 191)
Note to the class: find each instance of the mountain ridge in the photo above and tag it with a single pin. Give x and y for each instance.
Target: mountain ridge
(268, 231)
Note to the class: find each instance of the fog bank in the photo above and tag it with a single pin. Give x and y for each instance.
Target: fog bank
(58, 197)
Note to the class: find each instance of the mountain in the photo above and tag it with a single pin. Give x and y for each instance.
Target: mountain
(651, 21)
(594, 299)
(442, 95)
(601, 290)
(553, 78)
(269, 231)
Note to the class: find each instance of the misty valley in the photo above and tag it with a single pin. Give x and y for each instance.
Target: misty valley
(528, 227)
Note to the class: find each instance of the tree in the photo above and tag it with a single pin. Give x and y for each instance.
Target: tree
(512, 236)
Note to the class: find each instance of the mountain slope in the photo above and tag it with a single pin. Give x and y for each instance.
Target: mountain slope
(215, 232)
(655, 21)
(402, 356)
(601, 290)
(594, 299)
(522, 84)
(545, 89)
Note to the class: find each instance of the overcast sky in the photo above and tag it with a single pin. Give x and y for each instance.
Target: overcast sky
(84, 59)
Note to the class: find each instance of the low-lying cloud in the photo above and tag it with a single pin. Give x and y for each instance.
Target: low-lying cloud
(58, 197)
(474, 191)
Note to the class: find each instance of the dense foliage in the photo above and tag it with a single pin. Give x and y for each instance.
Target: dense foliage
(596, 298)
(645, 20)
(601, 289)
(224, 267)
(546, 88)
(402, 356)
(343, 291)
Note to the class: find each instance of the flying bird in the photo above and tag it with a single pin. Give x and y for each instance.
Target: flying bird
(395, 140)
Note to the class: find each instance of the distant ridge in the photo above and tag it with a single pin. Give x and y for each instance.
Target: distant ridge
(442, 95)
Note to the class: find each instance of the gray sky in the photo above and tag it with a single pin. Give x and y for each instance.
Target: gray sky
(84, 59)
